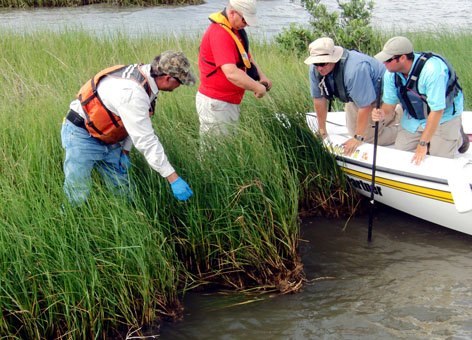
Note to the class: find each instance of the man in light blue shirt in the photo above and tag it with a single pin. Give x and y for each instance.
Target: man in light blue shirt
(420, 82)
(352, 77)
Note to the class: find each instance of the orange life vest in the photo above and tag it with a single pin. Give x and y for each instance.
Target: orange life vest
(100, 121)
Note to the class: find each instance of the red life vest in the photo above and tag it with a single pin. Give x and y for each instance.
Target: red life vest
(100, 121)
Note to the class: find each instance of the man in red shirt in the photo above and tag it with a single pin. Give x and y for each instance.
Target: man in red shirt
(227, 69)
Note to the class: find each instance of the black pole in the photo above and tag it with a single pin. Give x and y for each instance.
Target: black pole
(372, 184)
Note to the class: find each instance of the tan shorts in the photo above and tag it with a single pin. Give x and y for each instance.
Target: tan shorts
(216, 116)
(445, 142)
(387, 128)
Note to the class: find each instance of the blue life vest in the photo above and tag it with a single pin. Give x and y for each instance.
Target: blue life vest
(414, 101)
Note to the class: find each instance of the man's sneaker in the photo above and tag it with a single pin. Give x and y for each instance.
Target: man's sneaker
(465, 141)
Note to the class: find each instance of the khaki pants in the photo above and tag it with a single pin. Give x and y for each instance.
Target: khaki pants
(216, 116)
(445, 142)
(387, 129)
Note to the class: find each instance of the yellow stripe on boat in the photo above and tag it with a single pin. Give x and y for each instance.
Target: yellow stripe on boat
(439, 195)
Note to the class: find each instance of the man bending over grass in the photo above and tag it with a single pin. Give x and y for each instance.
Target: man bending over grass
(112, 113)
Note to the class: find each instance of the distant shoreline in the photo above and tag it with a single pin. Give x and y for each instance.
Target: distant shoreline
(77, 3)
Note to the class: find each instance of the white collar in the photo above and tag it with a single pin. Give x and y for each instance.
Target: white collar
(152, 82)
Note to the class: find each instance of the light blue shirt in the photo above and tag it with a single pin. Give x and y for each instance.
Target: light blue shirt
(432, 82)
(361, 73)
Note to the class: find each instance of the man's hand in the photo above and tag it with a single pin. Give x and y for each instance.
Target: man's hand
(420, 154)
(124, 161)
(181, 189)
(378, 115)
(260, 90)
(322, 133)
(266, 82)
(351, 145)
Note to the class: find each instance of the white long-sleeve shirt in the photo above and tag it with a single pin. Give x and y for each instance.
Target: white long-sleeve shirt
(128, 100)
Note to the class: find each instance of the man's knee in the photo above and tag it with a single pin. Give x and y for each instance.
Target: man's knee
(388, 135)
(405, 141)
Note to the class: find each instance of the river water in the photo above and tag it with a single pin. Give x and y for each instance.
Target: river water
(274, 15)
(414, 281)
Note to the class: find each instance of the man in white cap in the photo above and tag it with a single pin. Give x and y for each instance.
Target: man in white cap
(227, 69)
(427, 87)
(112, 113)
(352, 77)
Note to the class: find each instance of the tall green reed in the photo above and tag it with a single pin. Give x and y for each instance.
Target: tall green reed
(78, 273)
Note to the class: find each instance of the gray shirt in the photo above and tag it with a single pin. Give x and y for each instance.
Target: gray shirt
(361, 73)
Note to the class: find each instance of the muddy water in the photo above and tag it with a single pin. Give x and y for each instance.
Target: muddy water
(413, 281)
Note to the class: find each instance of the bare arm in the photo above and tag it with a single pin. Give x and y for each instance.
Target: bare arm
(172, 177)
(363, 120)
(241, 79)
(262, 76)
(432, 124)
(321, 108)
(361, 127)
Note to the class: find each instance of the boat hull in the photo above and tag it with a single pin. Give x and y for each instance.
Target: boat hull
(422, 191)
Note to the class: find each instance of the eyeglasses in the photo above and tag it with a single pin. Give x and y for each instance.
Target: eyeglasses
(392, 59)
(178, 80)
(320, 64)
(242, 18)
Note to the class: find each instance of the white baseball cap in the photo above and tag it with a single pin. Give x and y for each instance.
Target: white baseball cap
(248, 9)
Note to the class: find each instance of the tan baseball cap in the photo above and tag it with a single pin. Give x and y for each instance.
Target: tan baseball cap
(248, 9)
(395, 46)
(322, 50)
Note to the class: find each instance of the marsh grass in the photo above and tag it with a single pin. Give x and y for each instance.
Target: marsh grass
(110, 266)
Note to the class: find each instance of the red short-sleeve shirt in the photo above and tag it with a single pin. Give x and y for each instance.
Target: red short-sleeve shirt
(219, 48)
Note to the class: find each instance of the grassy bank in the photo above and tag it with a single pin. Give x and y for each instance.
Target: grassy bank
(94, 272)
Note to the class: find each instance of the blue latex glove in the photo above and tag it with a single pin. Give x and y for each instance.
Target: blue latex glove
(181, 189)
(124, 163)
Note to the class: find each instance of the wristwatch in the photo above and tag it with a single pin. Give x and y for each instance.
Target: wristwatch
(422, 143)
(359, 138)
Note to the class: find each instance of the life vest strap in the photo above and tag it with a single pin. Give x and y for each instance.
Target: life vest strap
(453, 86)
(339, 89)
(243, 48)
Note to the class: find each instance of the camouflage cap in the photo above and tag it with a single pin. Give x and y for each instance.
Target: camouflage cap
(175, 64)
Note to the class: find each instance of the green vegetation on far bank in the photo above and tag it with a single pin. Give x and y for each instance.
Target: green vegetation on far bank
(98, 271)
(75, 3)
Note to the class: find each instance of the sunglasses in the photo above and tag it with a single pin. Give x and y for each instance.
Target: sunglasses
(320, 64)
(178, 80)
(163, 74)
(242, 18)
(392, 59)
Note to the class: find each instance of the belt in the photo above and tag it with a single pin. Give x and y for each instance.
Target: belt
(75, 119)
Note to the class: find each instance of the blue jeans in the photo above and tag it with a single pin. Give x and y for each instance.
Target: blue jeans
(83, 153)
